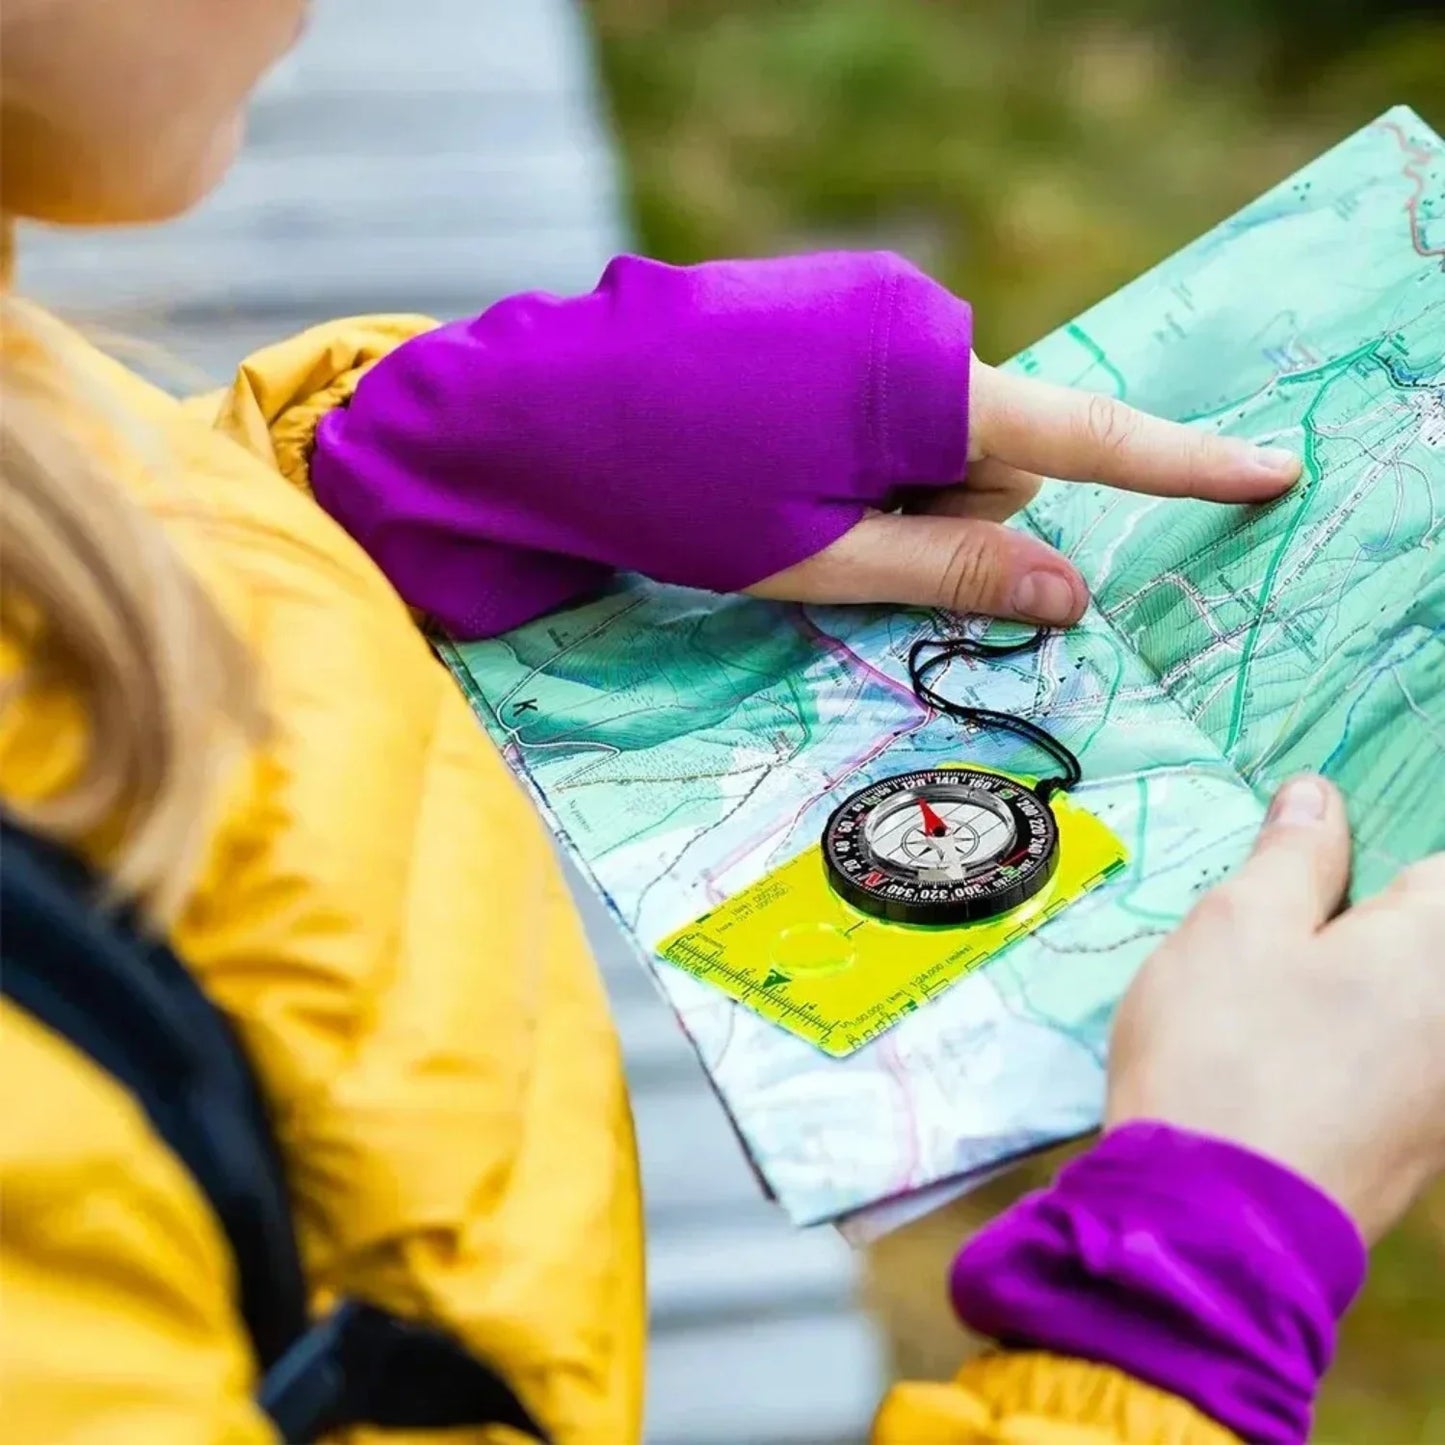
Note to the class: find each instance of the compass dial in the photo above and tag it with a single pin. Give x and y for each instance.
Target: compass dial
(941, 846)
(949, 830)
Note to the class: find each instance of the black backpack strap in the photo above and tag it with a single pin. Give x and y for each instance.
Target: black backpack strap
(96, 978)
(91, 975)
(361, 1365)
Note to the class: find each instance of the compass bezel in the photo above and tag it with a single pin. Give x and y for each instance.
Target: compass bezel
(883, 888)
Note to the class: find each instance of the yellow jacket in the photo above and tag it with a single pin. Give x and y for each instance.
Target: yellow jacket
(381, 916)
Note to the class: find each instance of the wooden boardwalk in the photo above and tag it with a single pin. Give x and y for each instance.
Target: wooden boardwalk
(432, 156)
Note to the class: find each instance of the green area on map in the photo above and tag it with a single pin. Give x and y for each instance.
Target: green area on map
(684, 745)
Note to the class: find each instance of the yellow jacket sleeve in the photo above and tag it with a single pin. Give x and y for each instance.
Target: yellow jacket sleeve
(1038, 1399)
(280, 393)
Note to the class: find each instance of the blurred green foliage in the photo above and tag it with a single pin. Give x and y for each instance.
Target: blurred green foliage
(1034, 155)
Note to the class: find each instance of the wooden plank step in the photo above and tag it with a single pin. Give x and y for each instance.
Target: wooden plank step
(313, 277)
(806, 1381)
(500, 46)
(745, 1267)
(692, 1162)
(360, 120)
(281, 199)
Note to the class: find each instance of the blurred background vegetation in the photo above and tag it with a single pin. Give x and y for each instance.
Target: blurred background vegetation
(1033, 154)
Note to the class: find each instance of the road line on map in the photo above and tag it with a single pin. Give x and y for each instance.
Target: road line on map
(1101, 358)
(840, 649)
(1414, 156)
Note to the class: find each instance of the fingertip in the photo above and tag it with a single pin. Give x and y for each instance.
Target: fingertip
(1302, 802)
(1050, 596)
(1279, 464)
(1252, 473)
(1304, 847)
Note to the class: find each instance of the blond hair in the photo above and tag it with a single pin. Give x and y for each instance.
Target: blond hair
(103, 606)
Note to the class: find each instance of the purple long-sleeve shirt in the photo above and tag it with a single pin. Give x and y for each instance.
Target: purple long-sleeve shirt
(708, 426)
(1191, 1263)
(711, 426)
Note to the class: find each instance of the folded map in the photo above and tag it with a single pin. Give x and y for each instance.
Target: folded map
(683, 745)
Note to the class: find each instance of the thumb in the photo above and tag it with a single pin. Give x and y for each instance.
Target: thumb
(961, 564)
(1300, 868)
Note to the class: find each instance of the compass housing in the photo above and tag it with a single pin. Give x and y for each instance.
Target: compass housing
(941, 846)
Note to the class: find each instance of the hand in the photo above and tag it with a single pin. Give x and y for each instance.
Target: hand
(1317, 1038)
(957, 555)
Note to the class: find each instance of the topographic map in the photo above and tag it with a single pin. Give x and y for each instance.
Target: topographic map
(683, 745)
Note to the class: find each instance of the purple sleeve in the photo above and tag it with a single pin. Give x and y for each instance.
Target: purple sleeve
(1189, 1263)
(707, 426)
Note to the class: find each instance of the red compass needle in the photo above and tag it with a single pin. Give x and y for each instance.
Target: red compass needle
(933, 825)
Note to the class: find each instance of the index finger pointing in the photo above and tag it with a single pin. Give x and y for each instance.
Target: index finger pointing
(1082, 437)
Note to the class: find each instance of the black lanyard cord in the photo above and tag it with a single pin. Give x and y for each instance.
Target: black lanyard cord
(921, 666)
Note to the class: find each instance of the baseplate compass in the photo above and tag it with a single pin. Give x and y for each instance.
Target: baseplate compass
(797, 948)
(941, 846)
(849, 937)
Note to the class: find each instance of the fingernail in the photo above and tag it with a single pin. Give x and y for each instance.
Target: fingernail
(1298, 804)
(1277, 461)
(1045, 597)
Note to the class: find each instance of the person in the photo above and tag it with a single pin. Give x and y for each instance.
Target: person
(281, 933)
